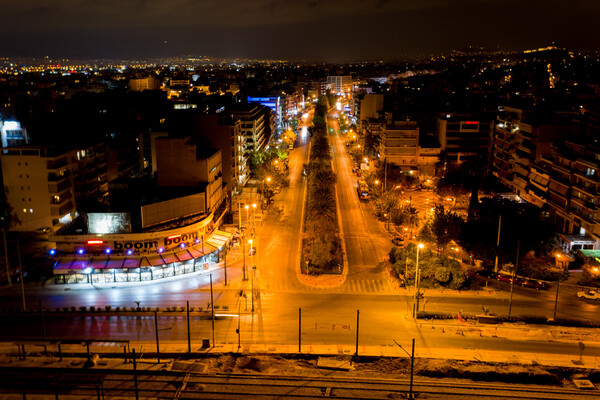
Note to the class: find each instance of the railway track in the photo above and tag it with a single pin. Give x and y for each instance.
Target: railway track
(109, 384)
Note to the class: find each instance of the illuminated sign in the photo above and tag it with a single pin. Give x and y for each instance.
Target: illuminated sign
(173, 237)
(95, 242)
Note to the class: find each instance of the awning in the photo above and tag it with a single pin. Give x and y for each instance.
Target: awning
(219, 238)
(73, 265)
(590, 253)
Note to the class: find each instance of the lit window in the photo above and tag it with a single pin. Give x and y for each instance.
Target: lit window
(25, 210)
(31, 210)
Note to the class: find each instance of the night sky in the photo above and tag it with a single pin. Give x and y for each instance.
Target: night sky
(316, 30)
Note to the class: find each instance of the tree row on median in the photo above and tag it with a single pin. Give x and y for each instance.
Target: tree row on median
(321, 244)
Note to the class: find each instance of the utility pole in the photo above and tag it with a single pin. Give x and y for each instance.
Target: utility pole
(556, 298)
(21, 276)
(6, 258)
(252, 285)
(225, 262)
(498, 243)
(357, 325)
(412, 369)
(299, 330)
(156, 331)
(187, 303)
(135, 382)
(244, 256)
(239, 317)
(512, 281)
(212, 310)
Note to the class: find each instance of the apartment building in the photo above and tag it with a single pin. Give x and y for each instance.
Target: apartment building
(254, 125)
(183, 162)
(400, 144)
(141, 84)
(571, 171)
(464, 136)
(341, 84)
(38, 183)
(519, 143)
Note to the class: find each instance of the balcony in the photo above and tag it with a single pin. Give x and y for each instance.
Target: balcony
(56, 164)
(62, 199)
(57, 177)
(59, 188)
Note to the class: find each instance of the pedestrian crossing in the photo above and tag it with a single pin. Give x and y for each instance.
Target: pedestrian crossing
(367, 286)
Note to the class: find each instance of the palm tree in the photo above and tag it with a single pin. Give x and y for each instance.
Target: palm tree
(412, 218)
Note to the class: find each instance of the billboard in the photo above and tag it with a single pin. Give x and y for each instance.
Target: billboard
(106, 223)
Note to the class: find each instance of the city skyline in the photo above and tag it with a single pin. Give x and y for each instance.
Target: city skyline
(331, 31)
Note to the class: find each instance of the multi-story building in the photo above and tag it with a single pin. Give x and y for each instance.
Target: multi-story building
(340, 84)
(90, 175)
(122, 160)
(519, 143)
(274, 103)
(463, 137)
(570, 179)
(183, 162)
(254, 125)
(146, 144)
(141, 84)
(367, 106)
(38, 183)
(224, 132)
(400, 144)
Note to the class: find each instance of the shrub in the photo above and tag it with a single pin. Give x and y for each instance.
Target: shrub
(443, 275)
(107, 308)
(73, 308)
(92, 308)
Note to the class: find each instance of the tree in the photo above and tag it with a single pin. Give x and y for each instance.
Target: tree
(521, 222)
(444, 226)
(8, 218)
(411, 216)
(385, 204)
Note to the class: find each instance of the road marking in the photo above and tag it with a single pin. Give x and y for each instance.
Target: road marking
(378, 286)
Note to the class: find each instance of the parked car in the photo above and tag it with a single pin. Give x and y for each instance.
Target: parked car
(505, 278)
(589, 294)
(533, 284)
(398, 241)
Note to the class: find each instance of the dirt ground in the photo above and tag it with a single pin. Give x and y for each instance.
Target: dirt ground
(393, 368)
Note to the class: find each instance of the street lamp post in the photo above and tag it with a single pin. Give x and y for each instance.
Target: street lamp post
(244, 257)
(253, 272)
(253, 218)
(417, 274)
(247, 207)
